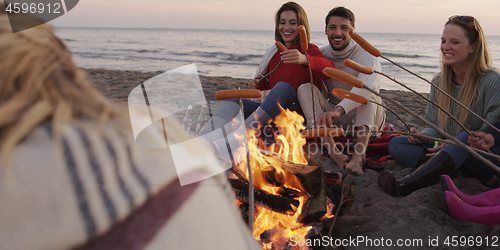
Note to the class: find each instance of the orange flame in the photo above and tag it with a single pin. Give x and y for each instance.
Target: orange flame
(288, 148)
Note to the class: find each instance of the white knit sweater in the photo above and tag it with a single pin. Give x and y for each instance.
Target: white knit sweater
(355, 53)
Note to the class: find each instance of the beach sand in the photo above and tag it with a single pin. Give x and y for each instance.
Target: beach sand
(422, 215)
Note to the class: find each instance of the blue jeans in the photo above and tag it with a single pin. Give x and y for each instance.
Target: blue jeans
(462, 158)
(408, 154)
(282, 94)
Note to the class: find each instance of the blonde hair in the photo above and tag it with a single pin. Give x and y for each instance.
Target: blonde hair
(40, 83)
(478, 64)
(301, 20)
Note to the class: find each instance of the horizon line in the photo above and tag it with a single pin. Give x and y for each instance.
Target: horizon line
(219, 29)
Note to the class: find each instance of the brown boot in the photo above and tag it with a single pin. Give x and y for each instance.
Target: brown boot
(426, 175)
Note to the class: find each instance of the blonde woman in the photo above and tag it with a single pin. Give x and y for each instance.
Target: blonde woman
(466, 75)
(71, 175)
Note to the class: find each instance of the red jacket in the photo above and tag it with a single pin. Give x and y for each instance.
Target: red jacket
(296, 74)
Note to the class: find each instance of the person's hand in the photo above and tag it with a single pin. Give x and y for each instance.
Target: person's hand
(415, 139)
(253, 83)
(435, 150)
(327, 118)
(481, 140)
(293, 56)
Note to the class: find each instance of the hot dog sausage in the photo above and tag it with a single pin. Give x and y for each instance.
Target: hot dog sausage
(237, 93)
(343, 76)
(358, 67)
(349, 95)
(280, 46)
(303, 38)
(364, 44)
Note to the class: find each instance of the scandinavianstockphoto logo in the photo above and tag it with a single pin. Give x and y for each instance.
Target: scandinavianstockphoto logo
(41, 11)
(170, 93)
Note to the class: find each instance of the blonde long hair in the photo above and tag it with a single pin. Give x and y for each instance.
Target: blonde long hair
(40, 83)
(301, 20)
(478, 64)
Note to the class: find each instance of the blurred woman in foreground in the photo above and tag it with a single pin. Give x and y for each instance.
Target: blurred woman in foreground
(71, 175)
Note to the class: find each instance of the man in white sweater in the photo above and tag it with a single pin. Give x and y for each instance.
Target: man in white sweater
(333, 111)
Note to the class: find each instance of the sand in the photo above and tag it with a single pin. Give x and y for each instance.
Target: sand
(375, 215)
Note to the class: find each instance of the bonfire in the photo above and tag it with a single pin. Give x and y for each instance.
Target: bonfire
(290, 195)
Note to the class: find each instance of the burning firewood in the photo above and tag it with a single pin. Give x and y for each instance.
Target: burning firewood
(280, 204)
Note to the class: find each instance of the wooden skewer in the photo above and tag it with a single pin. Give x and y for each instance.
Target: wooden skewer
(322, 132)
(329, 72)
(416, 93)
(305, 46)
(441, 140)
(363, 100)
(240, 94)
(251, 198)
(282, 48)
(375, 52)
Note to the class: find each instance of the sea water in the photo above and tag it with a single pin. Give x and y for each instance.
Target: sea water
(237, 53)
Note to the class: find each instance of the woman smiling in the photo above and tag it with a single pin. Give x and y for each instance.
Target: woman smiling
(466, 75)
(291, 70)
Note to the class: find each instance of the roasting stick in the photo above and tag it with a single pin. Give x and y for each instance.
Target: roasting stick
(363, 100)
(240, 94)
(367, 70)
(282, 48)
(443, 141)
(360, 99)
(321, 132)
(304, 45)
(355, 82)
(375, 52)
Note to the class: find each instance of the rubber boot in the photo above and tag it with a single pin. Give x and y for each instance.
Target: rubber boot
(426, 175)
(460, 210)
(486, 199)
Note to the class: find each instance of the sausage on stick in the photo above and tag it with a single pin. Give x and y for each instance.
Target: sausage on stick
(280, 46)
(322, 132)
(237, 93)
(303, 38)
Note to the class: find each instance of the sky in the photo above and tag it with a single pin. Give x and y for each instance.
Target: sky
(377, 16)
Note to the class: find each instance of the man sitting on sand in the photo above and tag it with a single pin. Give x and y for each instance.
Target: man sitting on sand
(335, 111)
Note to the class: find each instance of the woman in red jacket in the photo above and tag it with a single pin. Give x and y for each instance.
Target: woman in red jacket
(279, 87)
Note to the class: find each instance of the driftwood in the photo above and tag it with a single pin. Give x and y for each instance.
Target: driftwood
(280, 204)
(334, 191)
(314, 207)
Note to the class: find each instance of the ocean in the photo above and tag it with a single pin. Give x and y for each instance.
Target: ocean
(237, 53)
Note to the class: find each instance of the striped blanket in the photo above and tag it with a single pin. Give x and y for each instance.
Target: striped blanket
(96, 189)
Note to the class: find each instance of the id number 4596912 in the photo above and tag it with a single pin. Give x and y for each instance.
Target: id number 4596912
(471, 241)
(33, 8)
